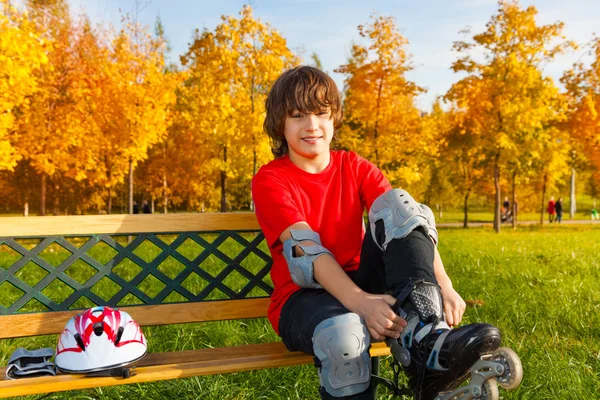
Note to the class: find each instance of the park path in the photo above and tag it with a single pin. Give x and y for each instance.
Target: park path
(509, 224)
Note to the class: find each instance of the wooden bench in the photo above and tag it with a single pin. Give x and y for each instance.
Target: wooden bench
(137, 229)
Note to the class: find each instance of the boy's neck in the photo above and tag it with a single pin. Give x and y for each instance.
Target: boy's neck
(311, 165)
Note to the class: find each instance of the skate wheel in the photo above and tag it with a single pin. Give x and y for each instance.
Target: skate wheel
(513, 369)
(490, 390)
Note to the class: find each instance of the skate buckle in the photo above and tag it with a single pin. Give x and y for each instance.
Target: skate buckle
(400, 353)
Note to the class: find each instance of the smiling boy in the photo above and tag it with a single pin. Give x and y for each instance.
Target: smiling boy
(337, 286)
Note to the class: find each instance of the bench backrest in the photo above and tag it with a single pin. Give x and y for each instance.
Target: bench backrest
(162, 269)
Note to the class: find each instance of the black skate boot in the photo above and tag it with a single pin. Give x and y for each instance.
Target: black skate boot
(434, 357)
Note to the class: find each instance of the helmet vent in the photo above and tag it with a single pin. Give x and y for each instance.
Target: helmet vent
(79, 341)
(98, 328)
(119, 334)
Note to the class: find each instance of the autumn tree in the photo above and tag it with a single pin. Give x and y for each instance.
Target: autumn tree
(22, 54)
(52, 129)
(130, 95)
(513, 104)
(179, 169)
(583, 93)
(381, 120)
(230, 73)
(461, 160)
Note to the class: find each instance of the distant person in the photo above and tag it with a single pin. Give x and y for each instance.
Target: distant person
(594, 214)
(506, 212)
(558, 207)
(551, 209)
(146, 207)
(136, 208)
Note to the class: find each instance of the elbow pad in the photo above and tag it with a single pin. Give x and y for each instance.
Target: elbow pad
(400, 214)
(301, 268)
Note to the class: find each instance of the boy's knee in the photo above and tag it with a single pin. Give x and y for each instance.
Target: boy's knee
(395, 214)
(341, 344)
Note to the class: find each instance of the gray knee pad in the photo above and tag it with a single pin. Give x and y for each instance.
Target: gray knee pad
(25, 363)
(400, 214)
(342, 345)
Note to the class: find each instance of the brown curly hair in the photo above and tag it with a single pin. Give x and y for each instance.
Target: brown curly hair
(305, 89)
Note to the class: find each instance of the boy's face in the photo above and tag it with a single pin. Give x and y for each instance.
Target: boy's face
(308, 135)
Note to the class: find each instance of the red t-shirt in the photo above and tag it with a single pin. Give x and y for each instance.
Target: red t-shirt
(332, 202)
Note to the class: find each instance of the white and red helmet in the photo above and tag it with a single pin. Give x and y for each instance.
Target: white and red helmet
(99, 339)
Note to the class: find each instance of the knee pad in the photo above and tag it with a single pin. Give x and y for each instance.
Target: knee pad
(25, 363)
(341, 344)
(400, 215)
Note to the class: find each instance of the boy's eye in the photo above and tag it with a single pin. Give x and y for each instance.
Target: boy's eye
(324, 112)
(297, 115)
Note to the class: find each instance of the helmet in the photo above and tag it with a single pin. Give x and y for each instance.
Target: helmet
(99, 339)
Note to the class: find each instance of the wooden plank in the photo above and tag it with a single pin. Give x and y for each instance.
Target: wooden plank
(122, 223)
(174, 366)
(377, 350)
(46, 323)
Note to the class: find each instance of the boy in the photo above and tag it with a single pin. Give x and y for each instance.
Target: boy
(330, 278)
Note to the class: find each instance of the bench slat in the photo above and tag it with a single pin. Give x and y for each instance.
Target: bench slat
(377, 349)
(123, 223)
(46, 323)
(164, 366)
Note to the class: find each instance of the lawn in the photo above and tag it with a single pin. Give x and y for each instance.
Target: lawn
(538, 285)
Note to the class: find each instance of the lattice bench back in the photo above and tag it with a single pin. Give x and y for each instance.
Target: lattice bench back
(66, 263)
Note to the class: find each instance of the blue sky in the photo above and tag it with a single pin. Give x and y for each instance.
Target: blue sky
(329, 27)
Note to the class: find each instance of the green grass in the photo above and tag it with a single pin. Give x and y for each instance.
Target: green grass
(538, 285)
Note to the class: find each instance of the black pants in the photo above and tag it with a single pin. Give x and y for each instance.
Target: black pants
(379, 272)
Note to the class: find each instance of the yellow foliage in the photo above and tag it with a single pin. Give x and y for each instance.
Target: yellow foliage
(51, 127)
(221, 106)
(583, 91)
(381, 122)
(506, 98)
(22, 52)
(130, 95)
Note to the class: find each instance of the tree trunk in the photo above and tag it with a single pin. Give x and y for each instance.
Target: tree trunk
(109, 201)
(253, 173)
(376, 133)
(573, 208)
(130, 186)
(108, 180)
(56, 208)
(122, 203)
(514, 197)
(223, 182)
(165, 199)
(152, 205)
(497, 202)
(26, 202)
(252, 92)
(543, 200)
(43, 194)
(466, 208)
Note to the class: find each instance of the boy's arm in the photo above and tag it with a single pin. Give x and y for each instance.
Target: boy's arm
(375, 310)
(454, 305)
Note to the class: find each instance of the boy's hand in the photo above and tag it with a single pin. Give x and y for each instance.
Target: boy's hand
(454, 306)
(379, 317)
